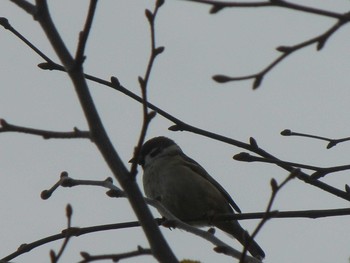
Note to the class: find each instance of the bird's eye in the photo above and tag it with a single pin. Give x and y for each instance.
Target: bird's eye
(155, 152)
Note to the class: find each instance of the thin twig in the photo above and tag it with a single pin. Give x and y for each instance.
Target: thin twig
(275, 188)
(286, 51)
(147, 117)
(83, 36)
(319, 171)
(76, 133)
(219, 5)
(55, 257)
(6, 24)
(311, 214)
(115, 257)
(73, 232)
(332, 142)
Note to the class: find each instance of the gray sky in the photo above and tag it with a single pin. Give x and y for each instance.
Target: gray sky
(308, 92)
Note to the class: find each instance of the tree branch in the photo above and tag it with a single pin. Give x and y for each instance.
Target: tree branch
(332, 142)
(83, 36)
(72, 232)
(115, 257)
(55, 257)
(319, 171)
(26, 6)
(286, 51)
(99, 136)
(76, 133)
(275, 189)
(147, 117)
(219, 5)
(5, 23)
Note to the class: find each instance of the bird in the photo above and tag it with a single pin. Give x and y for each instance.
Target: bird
(187, 190)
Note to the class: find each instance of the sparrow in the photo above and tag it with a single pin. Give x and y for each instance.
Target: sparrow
(187, 190)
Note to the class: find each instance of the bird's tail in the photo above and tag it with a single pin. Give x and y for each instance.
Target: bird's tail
(233, 228)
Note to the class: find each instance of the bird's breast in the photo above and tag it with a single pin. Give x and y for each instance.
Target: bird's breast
(182, 191)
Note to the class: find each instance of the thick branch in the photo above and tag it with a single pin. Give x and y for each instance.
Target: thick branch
(26, 6)
(99, 136)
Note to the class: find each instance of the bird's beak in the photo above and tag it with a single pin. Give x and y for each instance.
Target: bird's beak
(134, 160)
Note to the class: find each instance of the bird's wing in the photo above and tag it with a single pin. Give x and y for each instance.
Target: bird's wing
(194, 166)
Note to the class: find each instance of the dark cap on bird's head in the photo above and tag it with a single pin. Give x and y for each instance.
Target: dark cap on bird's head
(153, 147)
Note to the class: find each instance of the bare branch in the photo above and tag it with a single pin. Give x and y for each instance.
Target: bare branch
(311, 214)
(75, 134)
(147, 117)
(286, 51)
(275, 188)
(319, 171)
(306, 9)
(99, 136)
(26, 6)
(219, 5)
(5, 23)
(83, 37)
(332, 142)
(55, 257)
(72, 232)
(115, 257)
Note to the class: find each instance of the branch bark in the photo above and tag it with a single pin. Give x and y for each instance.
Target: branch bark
(158, 244)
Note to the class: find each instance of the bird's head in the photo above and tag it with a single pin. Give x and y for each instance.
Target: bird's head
(155, 148)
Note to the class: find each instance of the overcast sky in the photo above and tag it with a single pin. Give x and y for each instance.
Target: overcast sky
(307, 92)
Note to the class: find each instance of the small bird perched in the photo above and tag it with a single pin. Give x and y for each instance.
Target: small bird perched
(187, 190)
